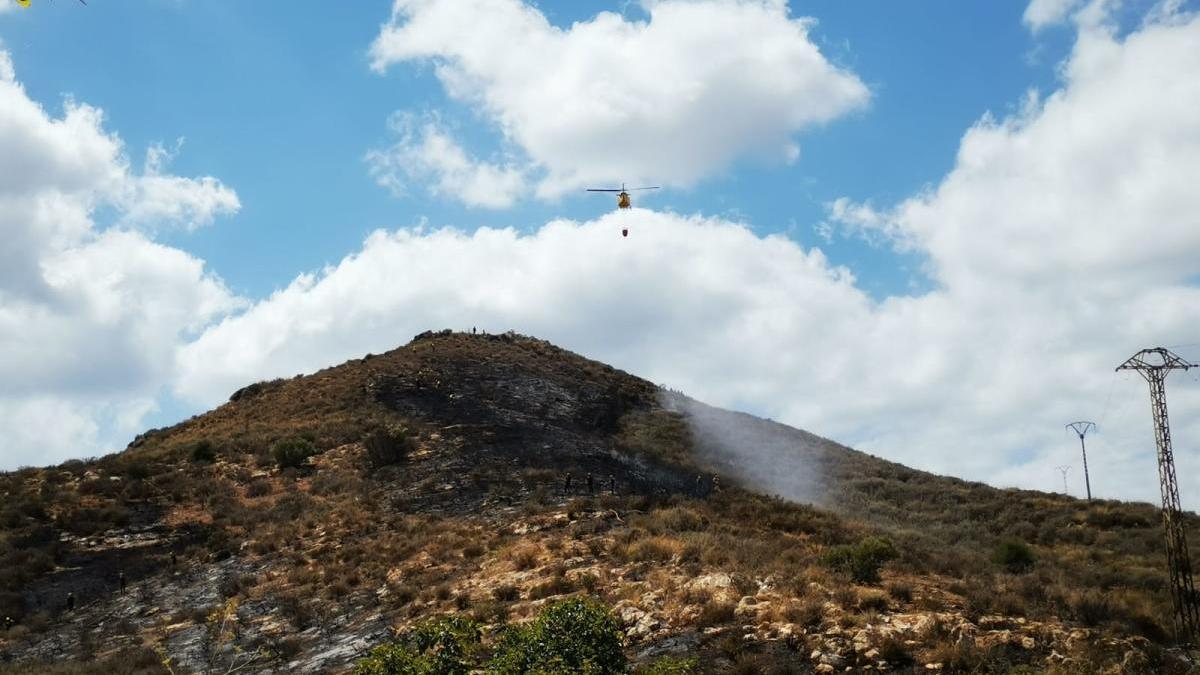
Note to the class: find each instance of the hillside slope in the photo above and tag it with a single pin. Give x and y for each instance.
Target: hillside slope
(309, 519)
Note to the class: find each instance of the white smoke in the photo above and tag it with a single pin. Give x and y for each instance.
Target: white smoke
(764, 455)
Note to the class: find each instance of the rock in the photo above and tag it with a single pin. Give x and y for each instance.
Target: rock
(871, 654)
(646, 625)
(630, 615)
(825, 668)
(926, 625)
(1135, 662)
(747, 608)
(832, 659)
(1028, 642)
(964, 632)
(933, 666)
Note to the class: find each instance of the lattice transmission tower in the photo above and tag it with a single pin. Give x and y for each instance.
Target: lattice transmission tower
(1063, 469)
(1155, 365)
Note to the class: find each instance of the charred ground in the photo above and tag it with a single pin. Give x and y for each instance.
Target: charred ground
(437, 484)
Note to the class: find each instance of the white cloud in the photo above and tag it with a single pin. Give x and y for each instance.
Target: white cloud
(673, 99)
(89, 317)
(1064, 239)
(425, 152)
(155, 198)
(1040, 14)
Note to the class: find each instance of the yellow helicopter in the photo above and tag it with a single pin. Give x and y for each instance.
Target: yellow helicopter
(623, 200)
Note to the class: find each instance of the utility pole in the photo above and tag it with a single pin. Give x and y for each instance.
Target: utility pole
(1154, 365)
(1063, 469)
(1082, 428)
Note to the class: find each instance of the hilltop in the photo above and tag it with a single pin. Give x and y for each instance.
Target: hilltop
(307, 520)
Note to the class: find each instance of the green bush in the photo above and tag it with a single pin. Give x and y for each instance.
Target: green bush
(388, 445)
(1014, 556)
(442, 646)
(572, 636)
(203, 451)
(292, 452)
(861, 561)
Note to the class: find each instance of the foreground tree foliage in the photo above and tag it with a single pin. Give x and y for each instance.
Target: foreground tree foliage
(572, 636)
(442, 646)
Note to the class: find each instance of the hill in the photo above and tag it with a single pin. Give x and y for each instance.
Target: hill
(489, 476)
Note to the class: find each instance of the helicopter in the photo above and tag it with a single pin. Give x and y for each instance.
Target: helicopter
(623, 201)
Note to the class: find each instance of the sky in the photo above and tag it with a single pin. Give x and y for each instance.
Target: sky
(929, 231)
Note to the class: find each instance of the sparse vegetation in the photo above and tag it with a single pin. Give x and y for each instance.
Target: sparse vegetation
(292, 452)
(387, 445)
(479, 522)
(1014, 556)
(862, 561)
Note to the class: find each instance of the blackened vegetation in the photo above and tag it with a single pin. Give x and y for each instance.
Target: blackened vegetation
(521, 409)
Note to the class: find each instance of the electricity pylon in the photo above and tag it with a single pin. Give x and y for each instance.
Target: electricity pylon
(1082, 428)
(1063, 469)
(1154, 365)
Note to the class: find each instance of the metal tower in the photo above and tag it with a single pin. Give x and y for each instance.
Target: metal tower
(1082, 428)
(1155, 365)
(1063, 469)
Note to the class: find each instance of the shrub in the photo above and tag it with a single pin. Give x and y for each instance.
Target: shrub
(895, 652)
(559, 585)
(807, 613)
(506, 593)
(203, 451)
(572, 636)
(861, 561)
(292, 452)
(714, 613)
(901, 591)
(442, 646)
(1014, 556)
(388, 445)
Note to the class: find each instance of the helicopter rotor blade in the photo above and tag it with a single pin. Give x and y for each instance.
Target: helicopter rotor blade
(603, 190)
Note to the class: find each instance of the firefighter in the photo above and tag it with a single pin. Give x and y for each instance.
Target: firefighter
(70, 601)
(121, 581)
(567, 484)
(590, 484)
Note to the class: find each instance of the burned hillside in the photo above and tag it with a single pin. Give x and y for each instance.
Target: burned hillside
(309, 519)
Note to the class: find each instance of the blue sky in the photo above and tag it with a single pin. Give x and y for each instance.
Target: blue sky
(957, 250)
(299, 108)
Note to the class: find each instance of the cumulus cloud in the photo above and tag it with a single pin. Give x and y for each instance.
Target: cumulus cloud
(1042, 13)
(672, 99)
(425, 152)
(1062, 241)
(155, 198)
(89, 316)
